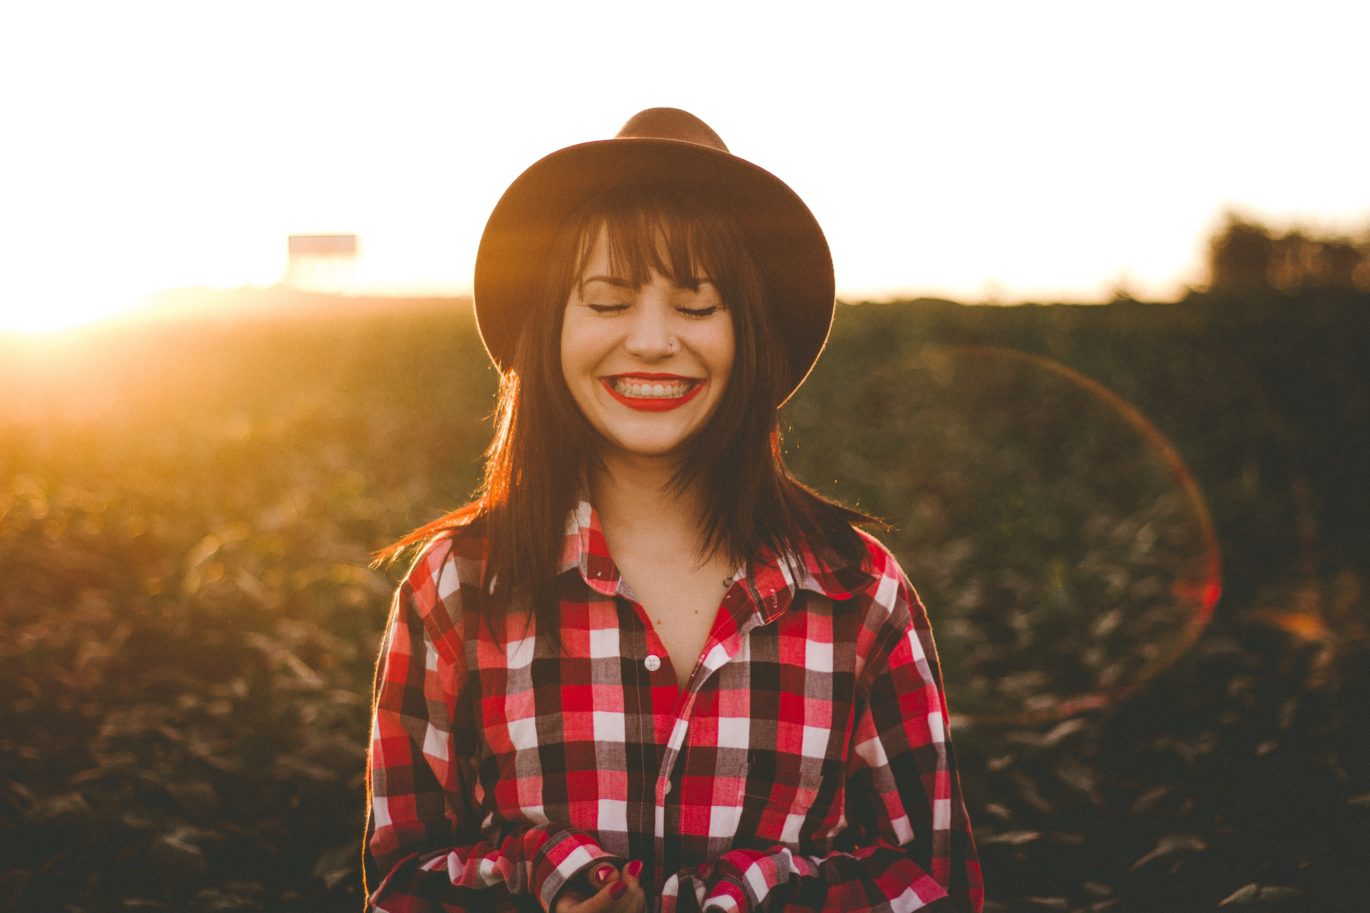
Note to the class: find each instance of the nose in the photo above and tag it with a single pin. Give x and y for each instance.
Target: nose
(650, 336)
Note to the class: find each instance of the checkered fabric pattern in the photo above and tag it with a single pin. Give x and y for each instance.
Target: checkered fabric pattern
(805, 767)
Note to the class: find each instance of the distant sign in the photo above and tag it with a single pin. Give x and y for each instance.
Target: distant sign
(323, 245)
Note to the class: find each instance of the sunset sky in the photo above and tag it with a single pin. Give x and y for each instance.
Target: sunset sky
(976, 150)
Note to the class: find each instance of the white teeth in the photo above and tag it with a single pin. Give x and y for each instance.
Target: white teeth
(652, 390)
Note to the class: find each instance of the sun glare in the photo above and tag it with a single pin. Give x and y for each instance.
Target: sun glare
(37, 307)
(929, 174)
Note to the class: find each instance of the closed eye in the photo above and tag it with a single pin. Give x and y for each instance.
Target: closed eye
(698, 312)
(606, 308)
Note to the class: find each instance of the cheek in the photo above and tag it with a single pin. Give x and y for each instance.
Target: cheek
(579, 357)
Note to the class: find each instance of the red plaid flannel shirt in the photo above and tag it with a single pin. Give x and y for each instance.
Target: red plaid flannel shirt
(805, 767)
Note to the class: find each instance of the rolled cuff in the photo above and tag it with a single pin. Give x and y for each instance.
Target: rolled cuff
(719, 892)
(566, 853)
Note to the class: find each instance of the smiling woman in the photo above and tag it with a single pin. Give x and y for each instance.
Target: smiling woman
(647, 669)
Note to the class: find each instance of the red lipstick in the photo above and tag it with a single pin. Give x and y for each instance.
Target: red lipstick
(654, 403)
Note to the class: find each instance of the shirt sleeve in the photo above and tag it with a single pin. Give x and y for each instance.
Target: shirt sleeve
(908, 843)
(427, 840)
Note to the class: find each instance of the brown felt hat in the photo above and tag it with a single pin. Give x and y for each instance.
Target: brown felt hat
(659, 147)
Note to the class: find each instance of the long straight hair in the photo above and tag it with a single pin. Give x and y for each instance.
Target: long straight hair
(543, 448)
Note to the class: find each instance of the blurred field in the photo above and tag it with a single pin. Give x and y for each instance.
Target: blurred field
(188, 619)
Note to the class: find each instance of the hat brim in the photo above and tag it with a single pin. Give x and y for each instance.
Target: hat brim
(786, 240)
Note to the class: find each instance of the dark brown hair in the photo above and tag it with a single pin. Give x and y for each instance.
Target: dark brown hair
(543, 448)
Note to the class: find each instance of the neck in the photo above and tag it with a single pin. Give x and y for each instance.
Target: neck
(634, 501)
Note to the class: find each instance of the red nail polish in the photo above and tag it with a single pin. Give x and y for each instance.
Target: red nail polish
(602, 873)
(618, 890)
(634, 868)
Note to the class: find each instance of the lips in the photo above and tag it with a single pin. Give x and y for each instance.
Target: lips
(652, 392)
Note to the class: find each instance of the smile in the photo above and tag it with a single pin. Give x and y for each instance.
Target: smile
(654, 393)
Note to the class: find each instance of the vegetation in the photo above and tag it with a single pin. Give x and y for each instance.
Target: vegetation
(189, 620)
(1245, 256)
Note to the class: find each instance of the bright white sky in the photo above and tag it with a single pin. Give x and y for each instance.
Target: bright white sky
(1004, 150)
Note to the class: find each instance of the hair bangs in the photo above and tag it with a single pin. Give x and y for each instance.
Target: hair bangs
(651, 232)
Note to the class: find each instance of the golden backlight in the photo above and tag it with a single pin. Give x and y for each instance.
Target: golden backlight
(982, 151)
(43, 308)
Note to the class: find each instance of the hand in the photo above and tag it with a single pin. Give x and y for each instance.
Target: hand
(603, 889)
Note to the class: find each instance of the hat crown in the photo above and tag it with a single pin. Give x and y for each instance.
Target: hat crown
(672, 124)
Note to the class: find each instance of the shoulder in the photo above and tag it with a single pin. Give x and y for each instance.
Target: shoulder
(887, 586)
(891, 610)
(444, 582)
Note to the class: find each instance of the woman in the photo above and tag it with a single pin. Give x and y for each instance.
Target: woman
(647, 669)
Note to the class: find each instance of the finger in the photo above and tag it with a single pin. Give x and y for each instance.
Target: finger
(605, 900)
(634, 899)
(582, 887)
(569, 900)
(626, 897)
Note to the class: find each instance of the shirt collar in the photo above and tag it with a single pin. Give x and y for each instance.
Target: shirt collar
(771, 580)
(585, 550)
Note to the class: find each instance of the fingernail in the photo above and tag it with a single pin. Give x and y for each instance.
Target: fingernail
(618, 890)
(602, 873)
(634, 868)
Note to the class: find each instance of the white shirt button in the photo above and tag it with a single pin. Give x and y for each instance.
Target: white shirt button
(652, 662)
